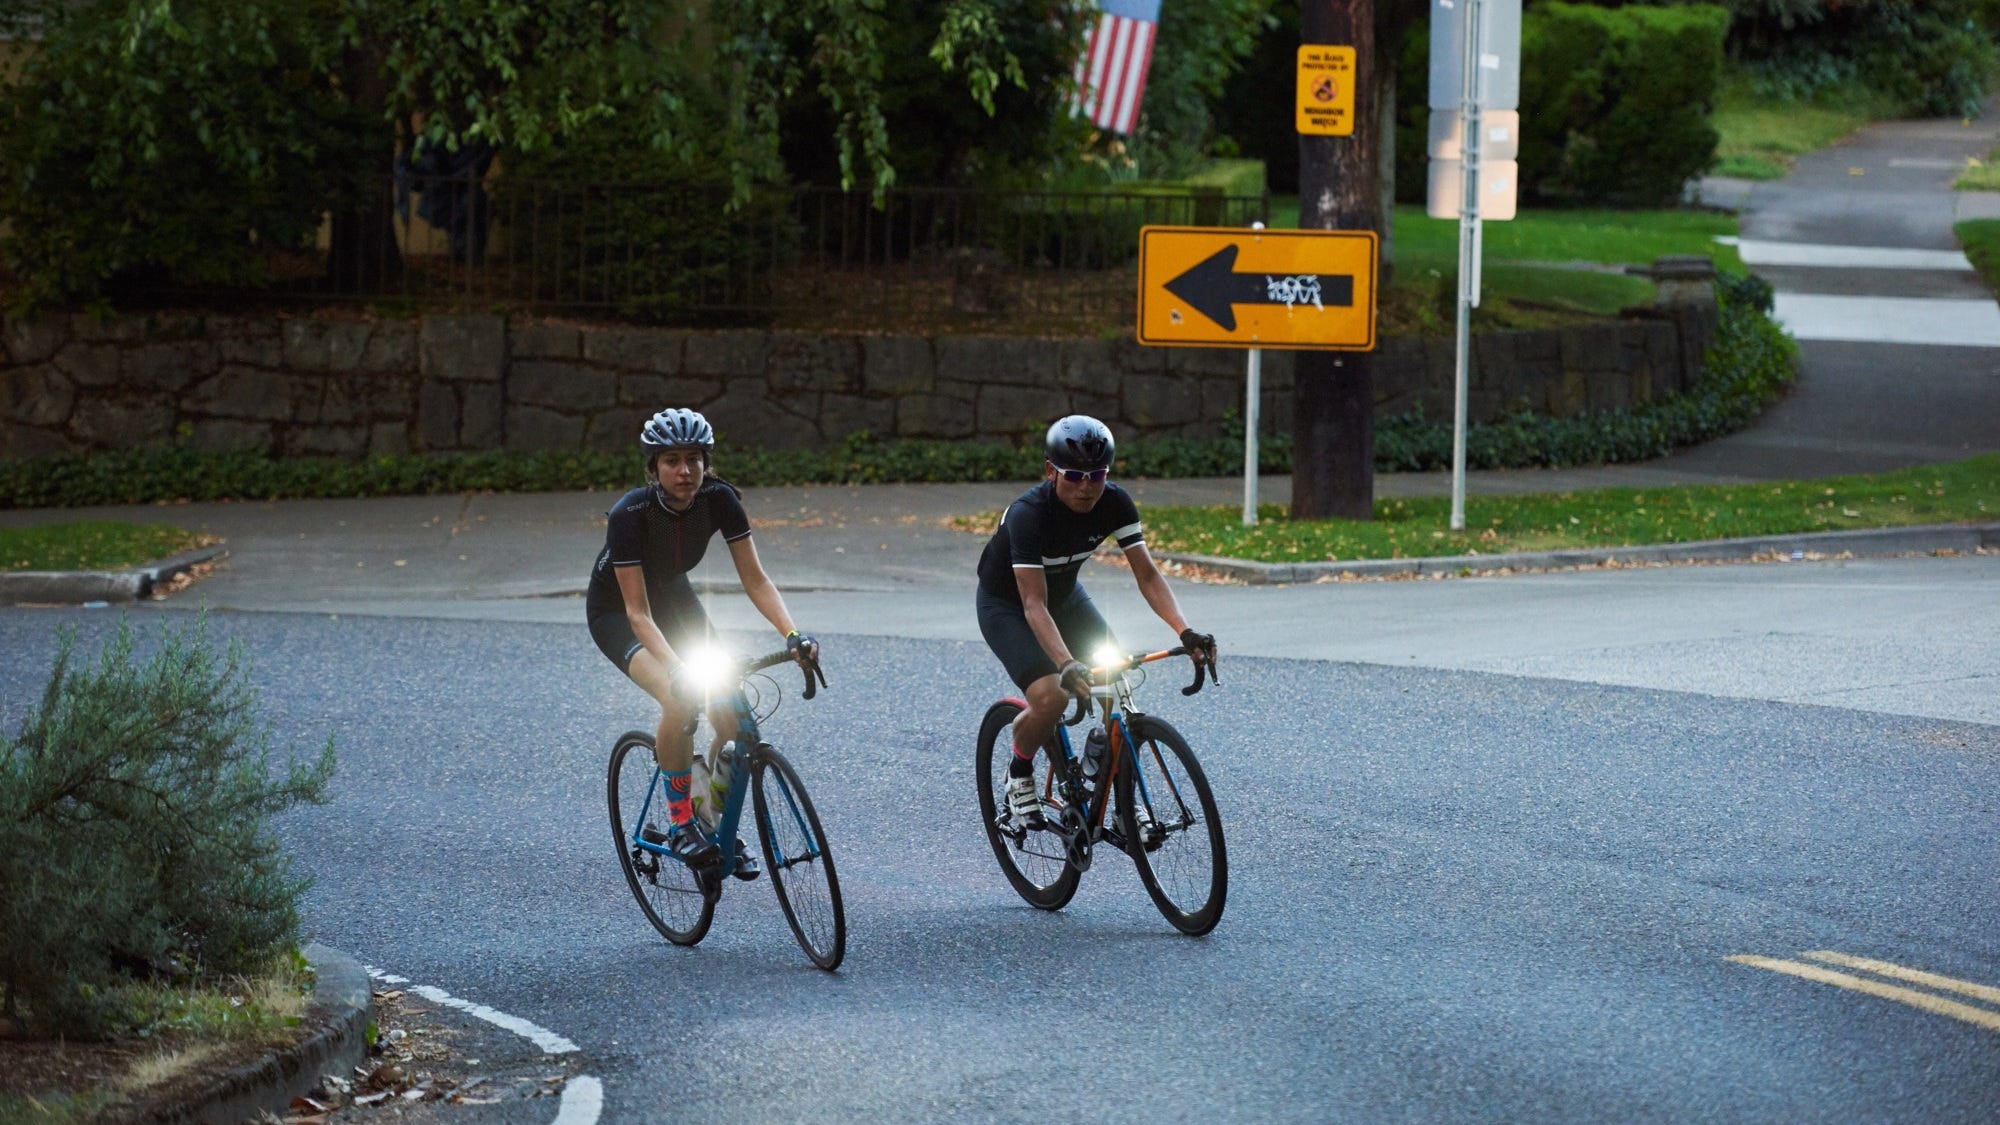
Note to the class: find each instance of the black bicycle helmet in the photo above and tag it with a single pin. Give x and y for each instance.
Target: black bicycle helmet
(1080, 442)
(677, 428)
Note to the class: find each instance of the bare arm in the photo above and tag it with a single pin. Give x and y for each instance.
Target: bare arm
(639, 614)
(762, 591)
(1153, 585)
(1034, 587)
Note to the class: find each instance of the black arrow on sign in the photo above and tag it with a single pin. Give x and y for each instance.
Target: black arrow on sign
(1213, 288)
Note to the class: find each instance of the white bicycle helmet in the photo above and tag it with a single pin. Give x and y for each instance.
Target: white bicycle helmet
(677, 428)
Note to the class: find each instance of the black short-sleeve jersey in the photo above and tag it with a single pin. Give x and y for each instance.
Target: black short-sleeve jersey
(665, 544)
(1039, 530)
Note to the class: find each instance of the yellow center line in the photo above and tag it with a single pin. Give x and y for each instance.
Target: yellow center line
(1937, 1005)
(1984, 992)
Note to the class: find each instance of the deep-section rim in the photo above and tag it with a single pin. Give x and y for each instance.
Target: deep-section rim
(767, 759)
(705, 916)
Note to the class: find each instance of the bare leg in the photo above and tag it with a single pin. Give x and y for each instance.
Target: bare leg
(1046, 702)
(673, 745)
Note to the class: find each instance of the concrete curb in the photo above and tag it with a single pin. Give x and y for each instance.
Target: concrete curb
(1873, 542)
(74, 587)
(342, 1006)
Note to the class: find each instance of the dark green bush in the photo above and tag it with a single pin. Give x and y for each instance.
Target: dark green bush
(164, 143)
(135, 836)
(1615, 101)
(1929, 58)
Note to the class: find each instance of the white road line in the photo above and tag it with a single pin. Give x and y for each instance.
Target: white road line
(1761, 252)
(583, 1095)
(1890, 320)
(582, 1101)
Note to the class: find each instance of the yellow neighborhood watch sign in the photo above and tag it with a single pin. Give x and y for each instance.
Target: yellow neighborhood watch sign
(1326, 90)
(1231, 287)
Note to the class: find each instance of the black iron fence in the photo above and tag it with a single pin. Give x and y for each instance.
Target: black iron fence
(806, 257)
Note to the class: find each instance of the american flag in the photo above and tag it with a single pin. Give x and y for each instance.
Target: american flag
(1111, 75)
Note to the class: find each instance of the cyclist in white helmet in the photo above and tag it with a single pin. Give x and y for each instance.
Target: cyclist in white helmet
(643, 611)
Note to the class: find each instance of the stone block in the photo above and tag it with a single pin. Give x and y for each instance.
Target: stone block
(482, 418)
(38, 395)
(569, 387)
(325, 345)
(229, 433)
(1087, 365)
(616, 428)
(1495, 368)
(843, 415)
(1000, 360)
(109, 329)
(32, 340)
(544, 341)
(91, 365)
(169, 366)
(324, 441)
(1015, 413)
(1222, 399)
(747, 416)
(391, 348)
(388, 438)
(1663, 359)
(1205, 362)
(1592, 347)
(531, 427)
(1134, 358)
(803, 363)
(252, 343)
(657, 350)
(102, 423)
(658, 392)
(1607, 390)
(724, 355)
(22, 442)
(898, 365)
(246, 392)
(947, 417)
(437, 415)
(1539, 345)
(1153, 402)
(462, 348)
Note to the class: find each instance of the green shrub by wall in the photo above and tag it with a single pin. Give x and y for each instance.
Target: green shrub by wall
(1615, 101)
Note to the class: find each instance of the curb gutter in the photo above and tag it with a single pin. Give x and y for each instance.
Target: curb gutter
(1873, 542)
(341, 1009)
(74, 587)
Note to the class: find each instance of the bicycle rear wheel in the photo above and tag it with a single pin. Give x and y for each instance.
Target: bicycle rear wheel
(801, 864)
(668, 891)
(1033, 859)
(1172, 830)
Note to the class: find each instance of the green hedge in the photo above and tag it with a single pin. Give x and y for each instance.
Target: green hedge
(1615, 101)
(1750, 364)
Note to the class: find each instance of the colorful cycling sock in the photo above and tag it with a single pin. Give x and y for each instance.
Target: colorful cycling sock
(1023, 765)
(679, 810)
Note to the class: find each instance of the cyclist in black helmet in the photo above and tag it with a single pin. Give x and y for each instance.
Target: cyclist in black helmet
(1033, 613)
(643, 611)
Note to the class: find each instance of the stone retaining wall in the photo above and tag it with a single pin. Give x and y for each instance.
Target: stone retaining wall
(321, 385)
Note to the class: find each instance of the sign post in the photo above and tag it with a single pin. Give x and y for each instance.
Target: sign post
(1475, 68)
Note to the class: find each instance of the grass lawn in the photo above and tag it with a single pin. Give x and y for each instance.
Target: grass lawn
(1960, 491)
(1981, 240)
(100, 545)
(1980, 175)
(1761, 136)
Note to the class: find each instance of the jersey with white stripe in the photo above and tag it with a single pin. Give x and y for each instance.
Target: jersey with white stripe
(642, 531)
(1041, 532)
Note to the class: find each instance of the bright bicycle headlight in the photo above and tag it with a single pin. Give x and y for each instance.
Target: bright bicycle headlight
(708, 668)
(1106, 657)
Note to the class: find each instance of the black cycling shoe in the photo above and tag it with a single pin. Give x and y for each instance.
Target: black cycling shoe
(746, 862)
(693, 849)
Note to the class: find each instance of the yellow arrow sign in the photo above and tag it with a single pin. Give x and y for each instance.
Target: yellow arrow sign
(1210, 286)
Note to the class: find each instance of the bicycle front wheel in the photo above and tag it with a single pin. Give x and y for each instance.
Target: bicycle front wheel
(668, 891)
(1034, 860)
(801, 864)
(1172, 829)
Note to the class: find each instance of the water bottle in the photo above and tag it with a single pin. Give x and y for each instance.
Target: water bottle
(1093, 751)
(718, 778)
(701, 786)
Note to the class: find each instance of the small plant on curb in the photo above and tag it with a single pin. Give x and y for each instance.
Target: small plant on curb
(136, 843)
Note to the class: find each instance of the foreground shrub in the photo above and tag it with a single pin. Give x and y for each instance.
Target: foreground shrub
(135, 835)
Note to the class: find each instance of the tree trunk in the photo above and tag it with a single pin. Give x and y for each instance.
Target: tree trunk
(1333, 393)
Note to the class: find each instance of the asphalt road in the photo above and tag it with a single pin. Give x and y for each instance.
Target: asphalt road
(1455, 895)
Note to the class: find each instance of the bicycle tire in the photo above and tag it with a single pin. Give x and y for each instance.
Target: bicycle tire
(1186, 872)
(1038, 867)
(669, 892)
(799, 859)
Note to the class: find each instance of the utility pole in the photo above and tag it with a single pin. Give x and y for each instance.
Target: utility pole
(1333, 393)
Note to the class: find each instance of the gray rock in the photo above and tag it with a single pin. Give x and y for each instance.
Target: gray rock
(897, 365)
(468, 348)
(1000, 361)
(1156, 400)
(230, 433)
(391, 348)
(168, 366)
(482, 417)
(807, 363)
(843, 415)
(123, 423)
(654, 393)
(934, 416)
(544, 341)
(388, 438)
(37, 396)
(246, 392)
(569, 387)
(1015, 413)
(32, 340)
(437, 416)
(724, 355)
(530, 427)
(657, 350)
(91, 365)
